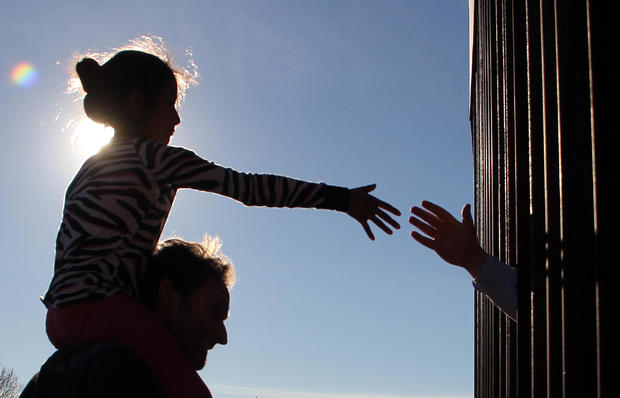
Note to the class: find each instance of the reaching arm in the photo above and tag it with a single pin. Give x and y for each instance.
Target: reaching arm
(457, 244)
(453, 241)
(184, 169)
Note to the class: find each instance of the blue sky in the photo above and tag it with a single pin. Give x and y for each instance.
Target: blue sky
(345, 92)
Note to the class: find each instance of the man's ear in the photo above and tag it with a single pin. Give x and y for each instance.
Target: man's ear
(168, 297)
(136, 104)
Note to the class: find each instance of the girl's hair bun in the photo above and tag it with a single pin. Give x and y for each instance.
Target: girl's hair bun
(89, 72)
(91, 77)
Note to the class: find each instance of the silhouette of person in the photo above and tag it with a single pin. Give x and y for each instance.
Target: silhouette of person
(456, 243)
(186, 288)
(117, 204)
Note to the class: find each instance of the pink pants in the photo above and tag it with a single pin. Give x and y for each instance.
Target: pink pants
(122, 320)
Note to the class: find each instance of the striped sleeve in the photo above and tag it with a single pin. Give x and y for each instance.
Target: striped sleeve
(181, 168)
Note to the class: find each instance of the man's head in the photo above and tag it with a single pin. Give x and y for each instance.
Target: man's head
(186, 286)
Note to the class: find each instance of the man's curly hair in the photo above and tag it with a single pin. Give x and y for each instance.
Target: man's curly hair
(188, 265)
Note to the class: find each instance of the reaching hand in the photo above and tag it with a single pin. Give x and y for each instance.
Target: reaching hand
(453, 241)
(364, 207)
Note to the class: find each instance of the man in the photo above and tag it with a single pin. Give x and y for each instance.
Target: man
(186, 286)
(456, 243)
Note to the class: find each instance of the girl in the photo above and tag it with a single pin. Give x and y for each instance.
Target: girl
(117, 204)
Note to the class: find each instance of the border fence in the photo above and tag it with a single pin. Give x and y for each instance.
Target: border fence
(544, 113)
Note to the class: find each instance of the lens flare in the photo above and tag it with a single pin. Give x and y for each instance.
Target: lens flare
(24, 74)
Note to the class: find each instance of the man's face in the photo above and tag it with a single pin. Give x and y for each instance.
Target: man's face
(198, 322)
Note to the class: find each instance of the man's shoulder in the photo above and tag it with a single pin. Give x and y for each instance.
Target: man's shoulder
(98, 370)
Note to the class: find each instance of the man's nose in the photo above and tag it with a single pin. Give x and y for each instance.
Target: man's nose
(222, 335)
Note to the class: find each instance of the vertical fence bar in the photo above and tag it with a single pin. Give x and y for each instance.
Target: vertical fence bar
(554, 335)
(605, 127)
(577, 230)
(521, 195)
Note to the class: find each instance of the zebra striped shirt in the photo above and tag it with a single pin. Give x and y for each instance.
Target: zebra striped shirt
(117, 204)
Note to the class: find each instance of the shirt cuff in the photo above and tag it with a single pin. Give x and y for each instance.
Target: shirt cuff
(336, 198)
(499, 282)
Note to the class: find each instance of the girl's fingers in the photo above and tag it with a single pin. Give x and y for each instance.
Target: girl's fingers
(367, 230)
(388, 207)
(366, 188)
(386, 217)
(381, 225)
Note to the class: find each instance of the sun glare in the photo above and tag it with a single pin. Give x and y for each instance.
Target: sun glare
(89, 136)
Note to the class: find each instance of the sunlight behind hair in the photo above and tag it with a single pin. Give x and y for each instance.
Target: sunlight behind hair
(88, 137)
(186, 75)
(208, 247)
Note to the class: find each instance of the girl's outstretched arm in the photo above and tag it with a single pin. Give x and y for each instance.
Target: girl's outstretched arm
(184, 169)
(364, 207)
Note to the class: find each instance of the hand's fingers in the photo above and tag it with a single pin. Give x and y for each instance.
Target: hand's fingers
(367, 188)
(386, 217)
(381, 225)
(426, 216)
(424, 227)
(367, 230)
(423, 240)
(388, 207)
(466, 214)
(439, 211)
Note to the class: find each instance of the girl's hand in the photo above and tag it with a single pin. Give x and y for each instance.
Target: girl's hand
(364, 207)
(453, 241)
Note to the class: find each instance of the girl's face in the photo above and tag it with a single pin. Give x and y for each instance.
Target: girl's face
(161, 119)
